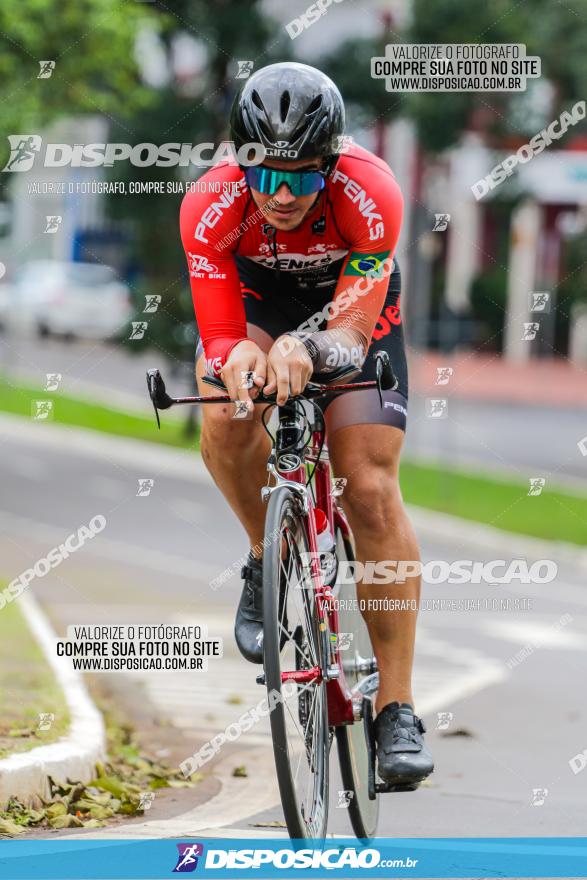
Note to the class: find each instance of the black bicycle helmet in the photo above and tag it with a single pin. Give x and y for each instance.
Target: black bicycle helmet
(294, 111)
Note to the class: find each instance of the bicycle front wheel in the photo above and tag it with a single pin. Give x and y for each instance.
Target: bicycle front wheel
(295, 644)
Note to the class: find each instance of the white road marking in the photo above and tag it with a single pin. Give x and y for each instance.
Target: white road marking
(558, 638)
(108, 548)
(445, 673)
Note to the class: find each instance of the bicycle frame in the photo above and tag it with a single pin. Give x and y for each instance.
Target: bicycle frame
(289, 468)
(341, 709)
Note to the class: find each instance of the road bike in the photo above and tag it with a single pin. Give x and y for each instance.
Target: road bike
(318, 667)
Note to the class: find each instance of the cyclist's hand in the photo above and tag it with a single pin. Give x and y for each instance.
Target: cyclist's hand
(288, 374)
(245, 357)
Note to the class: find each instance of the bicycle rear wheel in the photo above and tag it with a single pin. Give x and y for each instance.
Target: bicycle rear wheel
(353, 741)
(294, 643)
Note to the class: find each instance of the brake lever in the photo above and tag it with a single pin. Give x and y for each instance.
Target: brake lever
(150, 386)
(215, 382)
(378, 373)
(386, 378)
(159, 396)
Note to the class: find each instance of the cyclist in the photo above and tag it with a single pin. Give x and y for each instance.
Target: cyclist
(293, 271)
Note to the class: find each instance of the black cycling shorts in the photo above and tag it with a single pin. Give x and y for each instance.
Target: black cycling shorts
(279, 306)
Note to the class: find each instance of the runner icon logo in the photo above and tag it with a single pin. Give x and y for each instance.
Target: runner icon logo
(187, 860)
(539, 795)
(345, 797)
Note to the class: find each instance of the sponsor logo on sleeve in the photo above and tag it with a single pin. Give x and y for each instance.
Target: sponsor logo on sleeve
(200, 267)
(366, 264)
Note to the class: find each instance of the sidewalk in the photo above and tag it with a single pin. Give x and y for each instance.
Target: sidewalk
(24, 774)
(488, 377)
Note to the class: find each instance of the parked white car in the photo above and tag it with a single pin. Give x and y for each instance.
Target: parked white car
(70, 299)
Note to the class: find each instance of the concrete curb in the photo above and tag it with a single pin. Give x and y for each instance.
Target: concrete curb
(73, 757)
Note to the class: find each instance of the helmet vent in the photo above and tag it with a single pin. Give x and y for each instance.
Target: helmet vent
(284, 105)
(315, 105)
(257, 100)
(301, 129)
(266, 130)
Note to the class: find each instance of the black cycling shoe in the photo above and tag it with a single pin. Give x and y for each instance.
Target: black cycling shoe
(402, 757)
(248, 626)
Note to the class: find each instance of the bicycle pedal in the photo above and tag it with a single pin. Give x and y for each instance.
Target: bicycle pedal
(386, 787)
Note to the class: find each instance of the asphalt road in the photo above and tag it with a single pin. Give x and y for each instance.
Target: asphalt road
(512, 731)
(518, 441)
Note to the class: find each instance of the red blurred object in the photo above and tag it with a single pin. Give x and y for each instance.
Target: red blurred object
(320, 519)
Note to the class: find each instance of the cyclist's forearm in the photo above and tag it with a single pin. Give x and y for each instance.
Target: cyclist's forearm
(334, 348)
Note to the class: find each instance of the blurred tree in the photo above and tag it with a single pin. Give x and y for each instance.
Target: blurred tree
(203, 43)
(547, 30)
(92, 45)
(554, 33)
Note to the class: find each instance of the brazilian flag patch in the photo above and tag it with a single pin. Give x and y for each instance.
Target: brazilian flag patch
(366, 264)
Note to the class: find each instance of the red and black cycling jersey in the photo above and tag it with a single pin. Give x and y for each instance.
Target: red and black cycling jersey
(350, 231)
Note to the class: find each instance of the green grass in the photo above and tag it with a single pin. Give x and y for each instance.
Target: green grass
(27, 687)
(18, 398)
(554, 515)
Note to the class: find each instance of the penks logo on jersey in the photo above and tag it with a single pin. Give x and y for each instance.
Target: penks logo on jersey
(200, 267)
(301, 262)
(213, 366)
(214, 212)
(367, 207)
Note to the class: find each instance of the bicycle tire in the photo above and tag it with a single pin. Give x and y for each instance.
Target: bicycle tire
(351, 740)
(302, 820)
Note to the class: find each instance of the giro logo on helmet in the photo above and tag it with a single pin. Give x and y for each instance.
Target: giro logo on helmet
(281, 150)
